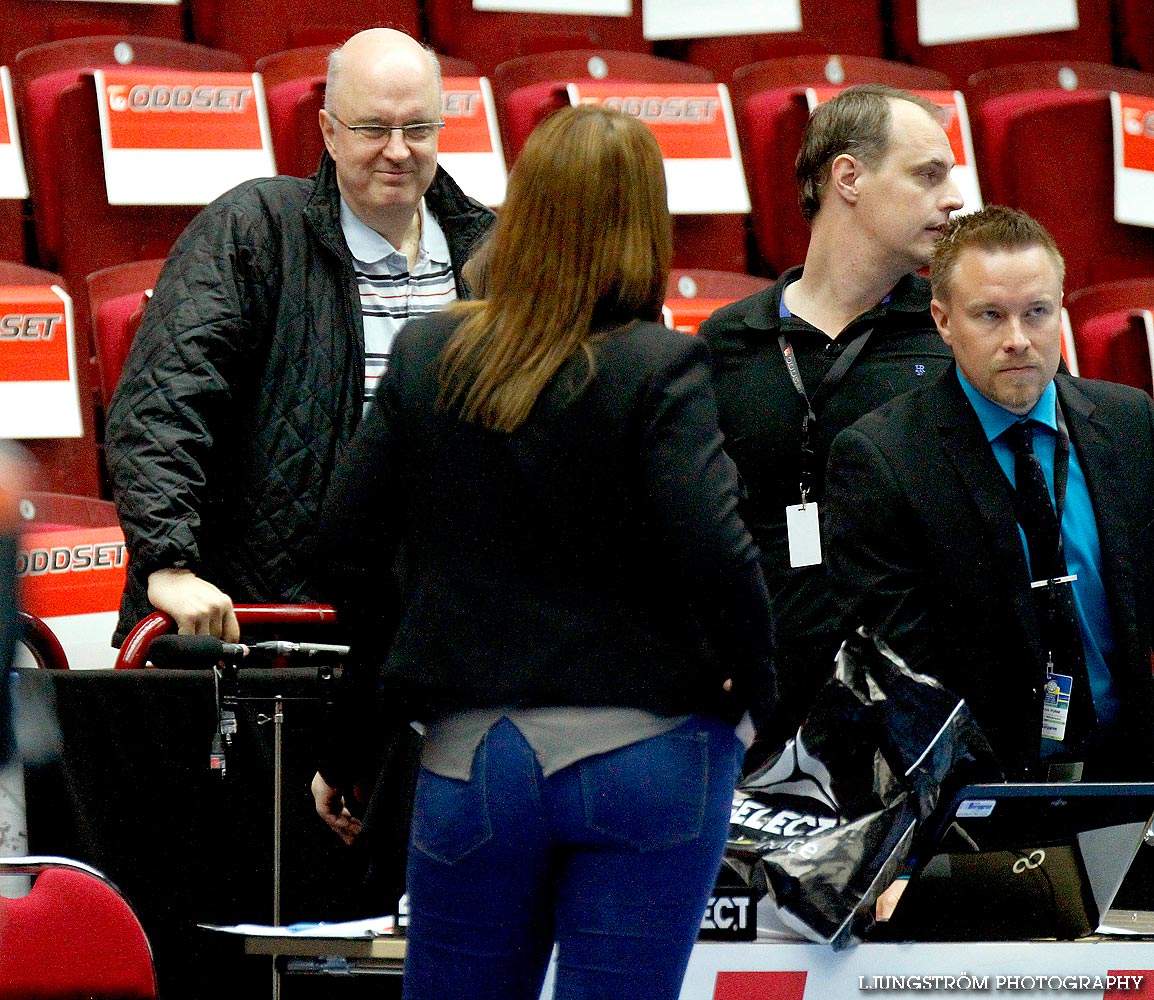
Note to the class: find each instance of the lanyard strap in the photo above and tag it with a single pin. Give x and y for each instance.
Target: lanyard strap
(833, 377)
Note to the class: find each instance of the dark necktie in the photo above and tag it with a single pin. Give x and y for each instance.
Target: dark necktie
(1057, 614)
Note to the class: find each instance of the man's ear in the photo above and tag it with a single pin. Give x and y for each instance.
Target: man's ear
(844, 174)
(941, 314)
(328, 130)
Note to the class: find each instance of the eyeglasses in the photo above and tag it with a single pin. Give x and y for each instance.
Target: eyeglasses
(415, 133)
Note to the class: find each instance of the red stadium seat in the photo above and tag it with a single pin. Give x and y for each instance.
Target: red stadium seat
(290, 79)
(1117, 347)
(115, 298)
(32, 22)
(255, 28)
(770, 106)
(1112, 297)
(1091, 41)
(490, 38)
(1022, 117)
(824, 28)
(73, 935)
(1110, 330)
(134, 651)
(527, 90)
(995, 96)
(77, 231)
(67, 465)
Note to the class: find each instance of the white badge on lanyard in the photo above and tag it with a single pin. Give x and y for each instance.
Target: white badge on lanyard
(801, 526)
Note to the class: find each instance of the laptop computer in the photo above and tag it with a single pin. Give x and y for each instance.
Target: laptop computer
(1027, 861)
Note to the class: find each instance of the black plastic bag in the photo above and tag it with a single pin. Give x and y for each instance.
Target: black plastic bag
(824, 826)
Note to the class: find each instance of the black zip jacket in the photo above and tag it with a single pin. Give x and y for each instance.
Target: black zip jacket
(244, 384)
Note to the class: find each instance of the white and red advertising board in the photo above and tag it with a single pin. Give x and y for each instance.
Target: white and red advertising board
(1133, 159)
(38, 389)
(173, 137)
(13, 180)
(469, 147)
(604, 8)
(943, 21)
(72, 578)
(694, 127)
(662, 19)
(955, 121)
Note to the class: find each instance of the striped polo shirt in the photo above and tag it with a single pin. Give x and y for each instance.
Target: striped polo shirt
(391, 293)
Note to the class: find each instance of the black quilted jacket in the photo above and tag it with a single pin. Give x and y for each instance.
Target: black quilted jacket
(243, 384)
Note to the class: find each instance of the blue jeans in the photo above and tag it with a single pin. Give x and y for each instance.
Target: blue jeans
(613, 857)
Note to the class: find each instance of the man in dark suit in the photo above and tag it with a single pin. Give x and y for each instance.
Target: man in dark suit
(830, 341)
(934, 541)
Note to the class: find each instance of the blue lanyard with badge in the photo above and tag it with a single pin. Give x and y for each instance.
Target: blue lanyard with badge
(1059, 687)
(802, 526)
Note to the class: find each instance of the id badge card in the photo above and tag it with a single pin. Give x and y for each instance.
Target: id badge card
(1056, 705)
(804, 533)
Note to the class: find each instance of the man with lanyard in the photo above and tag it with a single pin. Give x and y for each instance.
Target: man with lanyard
(827, 343)
(995, 527)
(268, 330)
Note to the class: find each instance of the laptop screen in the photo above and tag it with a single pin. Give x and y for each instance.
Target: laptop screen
(1022, 861)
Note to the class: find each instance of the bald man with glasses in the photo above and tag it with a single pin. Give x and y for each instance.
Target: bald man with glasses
(268, 330)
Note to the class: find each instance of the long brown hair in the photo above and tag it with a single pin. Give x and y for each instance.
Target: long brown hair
(583, 243)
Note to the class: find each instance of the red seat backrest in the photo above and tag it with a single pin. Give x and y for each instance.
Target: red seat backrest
(825, 28)
(490, 38)
(1113, 346)
(257, 28)
(73, 936)
(116, 299)
(1111, 296)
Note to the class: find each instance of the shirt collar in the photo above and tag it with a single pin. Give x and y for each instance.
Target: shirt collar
(783, 310)
(995, 419)
(369, 246)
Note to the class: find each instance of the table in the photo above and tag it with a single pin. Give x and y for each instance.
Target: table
(331, 956)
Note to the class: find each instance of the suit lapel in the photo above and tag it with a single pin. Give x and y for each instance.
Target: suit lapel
(1099, 454)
